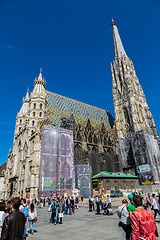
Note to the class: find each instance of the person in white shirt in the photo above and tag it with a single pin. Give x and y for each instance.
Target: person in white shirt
(92, 201)
(32, 215)
(124, 222)
(108, 200)
(2, 215)
(155, 205)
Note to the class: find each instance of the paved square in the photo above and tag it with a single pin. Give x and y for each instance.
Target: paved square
(81, 225)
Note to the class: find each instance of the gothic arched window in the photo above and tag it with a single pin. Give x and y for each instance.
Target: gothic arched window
(65, 170)
(109, 142)
(25, 149)
(126, 115)
(34, 106)
(40, 105)
(78, 153)
(90, 138)
(95, 160)
(105, 140)
(95, 139)
(33, 123)
(79, 138)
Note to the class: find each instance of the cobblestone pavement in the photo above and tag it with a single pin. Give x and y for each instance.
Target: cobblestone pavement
(81, 225)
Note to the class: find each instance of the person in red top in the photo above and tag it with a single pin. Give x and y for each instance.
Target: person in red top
(143, 223)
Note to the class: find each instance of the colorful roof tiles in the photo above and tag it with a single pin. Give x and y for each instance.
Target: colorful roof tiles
(60, 106)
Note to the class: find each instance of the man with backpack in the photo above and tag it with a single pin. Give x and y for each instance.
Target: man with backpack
(25, 211)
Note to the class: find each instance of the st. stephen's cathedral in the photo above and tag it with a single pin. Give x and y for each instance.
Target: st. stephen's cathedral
(60, 143)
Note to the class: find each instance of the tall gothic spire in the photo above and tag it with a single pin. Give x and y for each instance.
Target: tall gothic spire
(118, 46)
(26, 98)
(40, 79)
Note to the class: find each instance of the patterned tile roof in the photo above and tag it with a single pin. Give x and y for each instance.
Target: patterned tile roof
(60, 106)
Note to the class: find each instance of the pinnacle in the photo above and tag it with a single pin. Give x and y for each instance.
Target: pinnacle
(112, 22)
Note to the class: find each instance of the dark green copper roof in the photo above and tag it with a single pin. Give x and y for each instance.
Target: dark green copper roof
(114, 175)
(60, 106)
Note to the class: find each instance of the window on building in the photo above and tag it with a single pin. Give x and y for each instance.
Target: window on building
(40, 105)
(34, 114)
(32, 146)
(20, 121)
(32, 123)
(30, 171)
(34, 105)
(40, 114)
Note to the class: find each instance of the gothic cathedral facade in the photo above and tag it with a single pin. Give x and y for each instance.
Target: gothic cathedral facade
(100, 141)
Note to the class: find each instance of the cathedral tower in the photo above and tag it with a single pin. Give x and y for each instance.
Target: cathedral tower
(136, 130)
(22, 172)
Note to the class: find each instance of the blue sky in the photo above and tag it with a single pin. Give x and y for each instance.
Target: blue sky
(72, 41)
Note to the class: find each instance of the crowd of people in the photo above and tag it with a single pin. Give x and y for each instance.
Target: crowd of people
(137, 218)
(62, 205)
(100, 203)
(136, 215)
(17, 213)
(14, 216)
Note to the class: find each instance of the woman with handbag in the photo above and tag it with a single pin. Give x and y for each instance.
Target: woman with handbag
(32, 216)
(124, 220)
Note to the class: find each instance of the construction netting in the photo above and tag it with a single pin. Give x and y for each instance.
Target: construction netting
(56, 159)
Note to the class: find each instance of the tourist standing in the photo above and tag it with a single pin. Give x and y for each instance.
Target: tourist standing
(65, 206)
(90, 205)
(143, 223)
(2, 215)
(72, 205)
(92, 202)
(49, 202)
(68, 203)
(102, 201)
(82, 198)
(44, 202)
(131, 207)
(76, 202)
(148, 201)
(98, 201)
(53, 210)
(32, 215)
(13, 226)
(124, 222)
(57, 211)
(25, 211)
(108, 201)
(155, 205)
